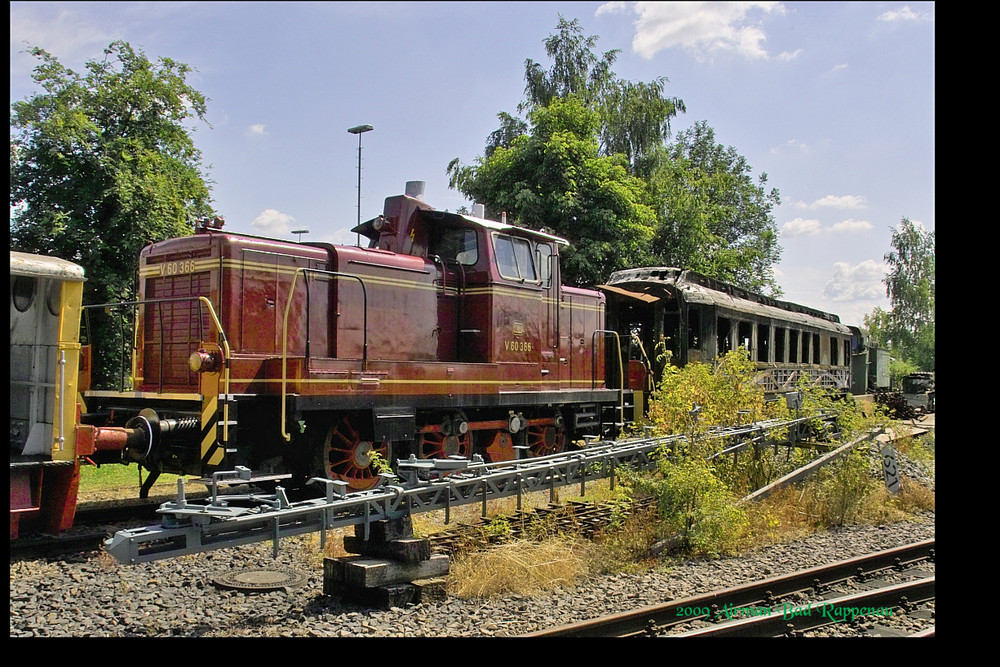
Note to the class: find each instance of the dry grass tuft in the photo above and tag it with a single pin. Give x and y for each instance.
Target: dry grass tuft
(519, 567)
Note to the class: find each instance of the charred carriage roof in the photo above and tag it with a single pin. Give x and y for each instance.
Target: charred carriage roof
(694, 288)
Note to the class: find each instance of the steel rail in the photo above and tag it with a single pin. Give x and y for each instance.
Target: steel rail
(422, 485)
(754, 599)
(796, 620)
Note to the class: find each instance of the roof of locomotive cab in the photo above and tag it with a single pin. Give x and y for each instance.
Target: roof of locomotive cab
(367, 228)
(493, 225)
(696, 288)
(41, 266)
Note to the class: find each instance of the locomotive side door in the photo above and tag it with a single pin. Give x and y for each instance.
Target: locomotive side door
(455, 252)
(519, 307)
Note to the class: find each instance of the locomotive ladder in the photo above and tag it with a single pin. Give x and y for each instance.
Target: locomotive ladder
(420, 486)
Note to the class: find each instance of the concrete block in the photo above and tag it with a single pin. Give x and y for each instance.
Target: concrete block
(429, 590)
(372, 572)
(379, 597)
(407, 550)
(386, 529)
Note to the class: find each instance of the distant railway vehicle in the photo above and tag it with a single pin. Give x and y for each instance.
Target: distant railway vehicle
(46, 295)
(869, 364)
(449, 335)
(919, 391)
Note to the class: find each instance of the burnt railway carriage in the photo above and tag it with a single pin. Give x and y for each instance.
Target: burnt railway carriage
(448, 335)
(700, 318)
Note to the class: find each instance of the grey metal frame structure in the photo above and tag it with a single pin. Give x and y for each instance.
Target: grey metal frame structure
(227, 520)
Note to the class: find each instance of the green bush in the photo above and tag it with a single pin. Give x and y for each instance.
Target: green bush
(698, 505)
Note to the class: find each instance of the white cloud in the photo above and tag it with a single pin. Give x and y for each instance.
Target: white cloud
(813, 227)
(256, 130)
(788, 56)
(701, 28)
(903, 14)
(851, 226)
(835, 201)
(792, 145)
(272, 222)
(862, 282)
(800, 227)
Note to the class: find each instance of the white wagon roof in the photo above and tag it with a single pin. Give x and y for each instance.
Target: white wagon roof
(39, 266)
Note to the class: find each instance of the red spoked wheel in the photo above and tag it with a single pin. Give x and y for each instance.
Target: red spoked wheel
(348, 455)
(499, 446)
(441, 446)
(545, 440)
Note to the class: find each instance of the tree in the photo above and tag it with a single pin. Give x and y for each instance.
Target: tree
(714, 217)
(634, 117)
(576, 70)
(103, 164)
(710, 214)
(554, 178)
(908, 328)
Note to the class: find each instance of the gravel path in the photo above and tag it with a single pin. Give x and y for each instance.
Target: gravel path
(94, 596)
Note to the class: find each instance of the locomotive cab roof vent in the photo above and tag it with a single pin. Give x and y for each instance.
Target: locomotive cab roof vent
(415, 189)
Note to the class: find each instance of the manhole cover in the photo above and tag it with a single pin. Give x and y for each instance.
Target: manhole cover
(260, 580)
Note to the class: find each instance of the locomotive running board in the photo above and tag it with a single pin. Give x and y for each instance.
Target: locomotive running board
(422, 485)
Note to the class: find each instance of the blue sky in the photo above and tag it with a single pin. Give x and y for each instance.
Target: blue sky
(833, 101)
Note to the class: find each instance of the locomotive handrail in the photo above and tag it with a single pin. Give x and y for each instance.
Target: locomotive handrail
(459, 294)
(284, 334)
(224, 341)
(62, 400)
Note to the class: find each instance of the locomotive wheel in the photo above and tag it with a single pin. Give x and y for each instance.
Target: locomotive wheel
(545, 440)
(440, 446)
(499, 446)
(348, 455)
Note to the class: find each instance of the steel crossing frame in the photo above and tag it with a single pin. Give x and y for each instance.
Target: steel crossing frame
(425, 485)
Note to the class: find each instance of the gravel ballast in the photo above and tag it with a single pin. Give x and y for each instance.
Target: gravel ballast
(91, 595)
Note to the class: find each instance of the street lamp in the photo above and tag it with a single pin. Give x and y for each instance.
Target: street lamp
(300, 232)
(359, 130)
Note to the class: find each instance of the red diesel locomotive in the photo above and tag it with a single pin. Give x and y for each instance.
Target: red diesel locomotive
(449, 335)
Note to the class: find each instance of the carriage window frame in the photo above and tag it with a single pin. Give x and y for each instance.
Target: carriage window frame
(512, 260)
(23, 298)
(53, 298)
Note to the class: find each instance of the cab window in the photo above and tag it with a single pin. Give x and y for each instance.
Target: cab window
(514, 258)
(457, 244)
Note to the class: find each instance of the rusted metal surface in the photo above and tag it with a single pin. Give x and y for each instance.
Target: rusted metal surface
(760, 594)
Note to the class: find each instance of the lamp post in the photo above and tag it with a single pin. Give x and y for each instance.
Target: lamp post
(300, 232)
(359, 130)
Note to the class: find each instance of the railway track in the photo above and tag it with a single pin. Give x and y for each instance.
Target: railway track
(792, 604)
